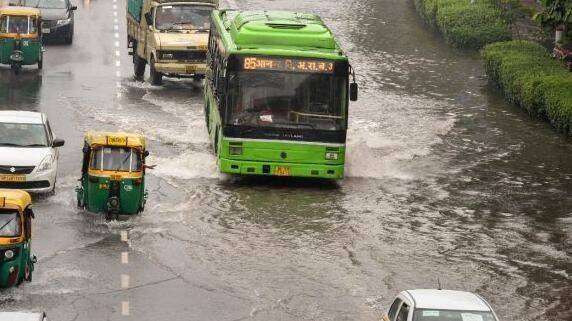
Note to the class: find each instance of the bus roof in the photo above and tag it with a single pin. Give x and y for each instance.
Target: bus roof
(115, 139)
(19, 11)
(277, 33)
(13, 198)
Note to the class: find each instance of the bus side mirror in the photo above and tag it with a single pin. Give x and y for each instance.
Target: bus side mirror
(354, 91)
(149, 19)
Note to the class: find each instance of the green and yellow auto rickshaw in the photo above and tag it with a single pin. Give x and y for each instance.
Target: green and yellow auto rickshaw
(113, 174)
(16, 260)
(20, 37)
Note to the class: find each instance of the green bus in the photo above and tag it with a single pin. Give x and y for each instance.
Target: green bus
(276, 94)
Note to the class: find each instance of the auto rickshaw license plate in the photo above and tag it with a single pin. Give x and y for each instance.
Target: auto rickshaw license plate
(12, 178)
(191, 69)
(282, 171)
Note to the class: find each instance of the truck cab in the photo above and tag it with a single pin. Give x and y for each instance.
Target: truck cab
(169, 36)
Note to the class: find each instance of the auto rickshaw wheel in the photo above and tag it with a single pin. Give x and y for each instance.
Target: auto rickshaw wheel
(41, 62)
(156, 77)
(16, 69)
(28, 273)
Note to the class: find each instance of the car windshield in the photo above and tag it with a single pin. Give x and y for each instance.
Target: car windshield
(10, 225)
(18, 24)
(23, 135)
(173, 17)
(450, 315)
(122, 159)
(287, 100)
(47, 4)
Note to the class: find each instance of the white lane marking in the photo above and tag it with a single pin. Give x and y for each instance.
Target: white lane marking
(118, 73)
(124, 281)
(116, 35)
(117, 53)
(116, 27)
(124, 258)
(118, 85)
(114, 7)
(125, 308)
(115, 13)
(117, 63)
(117, 44)
(115, 20)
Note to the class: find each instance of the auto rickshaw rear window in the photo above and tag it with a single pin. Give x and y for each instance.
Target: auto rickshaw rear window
(10, 224)
(122, 159)
(18, 24)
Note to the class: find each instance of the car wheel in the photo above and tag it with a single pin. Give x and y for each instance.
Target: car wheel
(156, 77)
(69, 38)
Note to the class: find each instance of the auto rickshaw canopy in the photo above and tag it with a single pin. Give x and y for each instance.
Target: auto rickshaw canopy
(14, 199)
(19, 11)
(119, 139)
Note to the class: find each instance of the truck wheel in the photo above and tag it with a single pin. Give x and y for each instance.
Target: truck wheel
(156, 77)
(138, 67)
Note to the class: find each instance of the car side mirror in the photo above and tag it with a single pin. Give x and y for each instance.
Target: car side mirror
(58, 142)
(73, 8)
(354, 89)
(149, 19)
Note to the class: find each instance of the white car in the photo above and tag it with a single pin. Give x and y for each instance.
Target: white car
(22, 316)
(439, 305)
(28, 152)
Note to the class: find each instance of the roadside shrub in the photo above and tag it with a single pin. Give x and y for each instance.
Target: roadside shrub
(532, 79)
(465, 24)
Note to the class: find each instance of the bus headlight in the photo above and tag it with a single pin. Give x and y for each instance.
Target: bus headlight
(332, 156)
(235, 150)
(9, 254)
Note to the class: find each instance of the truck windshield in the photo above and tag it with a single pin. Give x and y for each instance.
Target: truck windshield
(182, 17)
(47, 4)
(287, 100)
(18, 24)
(10, 225)
(451, 315)
(122, 159)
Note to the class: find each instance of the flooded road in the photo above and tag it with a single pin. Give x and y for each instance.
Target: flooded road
(445, 181)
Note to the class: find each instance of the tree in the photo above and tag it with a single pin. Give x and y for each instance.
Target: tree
(557, 15)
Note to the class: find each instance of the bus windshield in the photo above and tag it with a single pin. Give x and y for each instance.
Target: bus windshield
(18, 24)
(121, 159)
(287, 100)
(10, 225)
(181, 17)
(451, 315)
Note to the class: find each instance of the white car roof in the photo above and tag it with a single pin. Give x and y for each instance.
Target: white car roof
(21, 316)
(447, 300)
(21, 117)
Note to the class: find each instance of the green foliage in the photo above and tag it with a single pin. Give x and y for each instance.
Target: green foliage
(531, 79)
(555, 13)
(465, 24)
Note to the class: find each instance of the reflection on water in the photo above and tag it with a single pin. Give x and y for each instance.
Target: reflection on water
(20, 92)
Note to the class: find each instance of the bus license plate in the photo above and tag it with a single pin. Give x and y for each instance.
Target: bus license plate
(12, 178)
(282, 171)
(191, 69)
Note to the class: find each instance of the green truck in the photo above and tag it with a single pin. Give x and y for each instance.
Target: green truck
(170, 36)
(277, 94)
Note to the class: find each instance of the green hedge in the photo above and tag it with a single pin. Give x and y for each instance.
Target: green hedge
(463, 24)
(532, 79)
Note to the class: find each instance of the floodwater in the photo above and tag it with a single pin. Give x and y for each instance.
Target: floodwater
(446, 181)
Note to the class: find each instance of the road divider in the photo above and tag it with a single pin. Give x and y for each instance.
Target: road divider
(532, 79)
